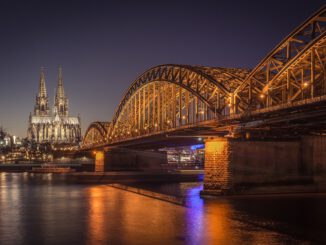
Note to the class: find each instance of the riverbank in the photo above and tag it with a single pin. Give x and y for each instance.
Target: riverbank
(138, 176)
(26, 167)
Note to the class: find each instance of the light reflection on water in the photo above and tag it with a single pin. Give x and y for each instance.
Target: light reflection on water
(46, 209)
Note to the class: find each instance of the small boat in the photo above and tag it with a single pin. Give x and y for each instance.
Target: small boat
(51, 168)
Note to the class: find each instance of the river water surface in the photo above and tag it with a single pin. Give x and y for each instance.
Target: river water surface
(46, 209)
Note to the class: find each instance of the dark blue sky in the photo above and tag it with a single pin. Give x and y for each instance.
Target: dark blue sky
(104, 45)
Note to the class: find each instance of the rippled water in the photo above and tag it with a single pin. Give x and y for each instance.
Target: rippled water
(45, 209)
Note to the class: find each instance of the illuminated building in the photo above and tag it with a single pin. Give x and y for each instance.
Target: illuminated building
(185, 157)
(56, 126)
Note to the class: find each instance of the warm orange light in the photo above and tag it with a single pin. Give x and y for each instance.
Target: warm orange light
(99, 155)
(262, 96)
(96, 222)
(99, 161)
(215, 146)
(305, 84)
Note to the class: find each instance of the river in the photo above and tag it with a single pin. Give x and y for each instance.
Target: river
(47, 209)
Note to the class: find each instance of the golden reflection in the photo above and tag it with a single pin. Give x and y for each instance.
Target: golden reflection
(117, 216)
(217, 224)
(223, 224)
(157, 220)
(96, 201)
(128, 218)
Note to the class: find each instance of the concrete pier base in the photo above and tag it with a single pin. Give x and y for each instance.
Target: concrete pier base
(218, 159)
(128, 160)
(238, 166)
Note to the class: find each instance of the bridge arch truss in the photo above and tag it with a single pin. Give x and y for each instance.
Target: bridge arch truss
(96, 134)
(294, 70)
(170, 96)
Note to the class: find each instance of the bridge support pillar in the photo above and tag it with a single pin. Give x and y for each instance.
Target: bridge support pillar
(99, 161)
(123, 159)
(261, 166)
(218, 174)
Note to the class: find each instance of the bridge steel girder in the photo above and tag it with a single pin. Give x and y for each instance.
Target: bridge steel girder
(302, 78)
(259, 88)
(192, 93)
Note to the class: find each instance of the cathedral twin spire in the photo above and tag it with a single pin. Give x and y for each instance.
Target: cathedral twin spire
(60, 103)
(42, 88)
(55, 127)
(60, 91)
(42, 103)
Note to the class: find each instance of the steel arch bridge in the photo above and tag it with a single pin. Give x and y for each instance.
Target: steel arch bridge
(96, 133)
(168, 97)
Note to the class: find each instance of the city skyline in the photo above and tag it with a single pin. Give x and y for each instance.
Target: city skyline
(103, 47)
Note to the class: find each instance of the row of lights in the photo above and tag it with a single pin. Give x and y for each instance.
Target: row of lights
(156, 124)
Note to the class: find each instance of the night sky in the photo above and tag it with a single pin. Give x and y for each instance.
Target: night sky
(103, 46)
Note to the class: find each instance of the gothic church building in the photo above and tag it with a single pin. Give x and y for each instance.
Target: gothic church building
(54, 126)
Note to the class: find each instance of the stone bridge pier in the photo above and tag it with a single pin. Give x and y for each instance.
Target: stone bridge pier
(239, 166)
(127, 159)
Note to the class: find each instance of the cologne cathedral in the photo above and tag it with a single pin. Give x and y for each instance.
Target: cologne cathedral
(53, 126)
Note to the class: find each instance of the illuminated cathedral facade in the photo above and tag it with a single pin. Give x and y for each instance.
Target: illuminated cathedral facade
(54, 126)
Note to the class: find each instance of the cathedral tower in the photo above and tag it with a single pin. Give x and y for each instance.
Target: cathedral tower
(41, 107)
(61, 102)
(57, 127)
